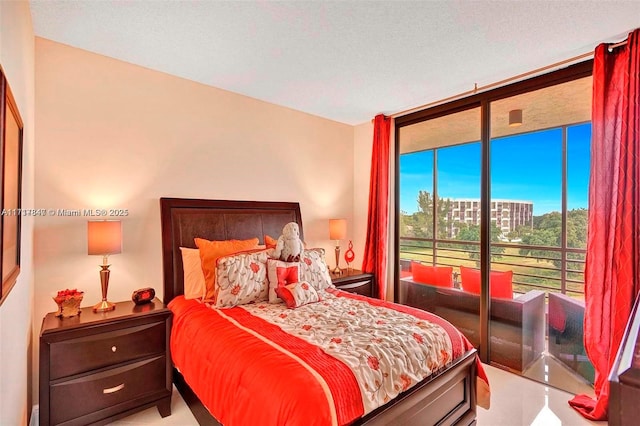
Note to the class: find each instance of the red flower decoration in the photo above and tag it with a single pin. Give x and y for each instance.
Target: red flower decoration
(376, 340)
(67, 294)
(307, 261)
(254, 267)
(261, 307)
(283, 315)
(235, 290)
(336, 340)
(406, 381)
(380, 322)
(373, 362)
(305, 286)
(306, 327)
(351, 313)
(418, 338)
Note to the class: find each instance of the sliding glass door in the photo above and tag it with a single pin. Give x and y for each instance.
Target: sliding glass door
(491, 222)
(439, 216)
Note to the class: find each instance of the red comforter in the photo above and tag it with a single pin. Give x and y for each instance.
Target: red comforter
(248, 371)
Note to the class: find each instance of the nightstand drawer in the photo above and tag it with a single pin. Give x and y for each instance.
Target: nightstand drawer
(355, 281)
(123, 385)
(87, 353)
(363, 287)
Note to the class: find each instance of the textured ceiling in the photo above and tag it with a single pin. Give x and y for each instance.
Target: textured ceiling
(343, 60)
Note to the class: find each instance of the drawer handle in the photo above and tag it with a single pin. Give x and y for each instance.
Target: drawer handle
(113, 389)
(113, 348)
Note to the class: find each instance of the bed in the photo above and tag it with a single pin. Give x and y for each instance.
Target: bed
(447, 396)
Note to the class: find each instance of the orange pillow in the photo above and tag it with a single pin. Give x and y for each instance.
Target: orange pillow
(270, 242)
(441, 276)
(210, 251)
(501, 282)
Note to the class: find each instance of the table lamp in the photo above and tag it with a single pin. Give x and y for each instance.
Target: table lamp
(337, 232)
(104, 237)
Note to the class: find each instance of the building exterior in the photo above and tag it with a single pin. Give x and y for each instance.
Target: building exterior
(506, 214)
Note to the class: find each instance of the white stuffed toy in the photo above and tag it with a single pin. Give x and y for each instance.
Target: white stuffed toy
(289, 247)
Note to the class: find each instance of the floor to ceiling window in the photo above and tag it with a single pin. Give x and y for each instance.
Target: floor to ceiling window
(517, 293)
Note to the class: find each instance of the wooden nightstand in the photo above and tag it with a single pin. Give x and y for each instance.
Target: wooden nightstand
(356, 281)
(99, 367)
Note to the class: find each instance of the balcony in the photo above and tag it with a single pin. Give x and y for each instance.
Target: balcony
(550, 269)
(551, 275)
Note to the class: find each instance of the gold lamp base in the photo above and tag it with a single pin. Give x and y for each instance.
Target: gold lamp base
(104, 306)
(337, 270)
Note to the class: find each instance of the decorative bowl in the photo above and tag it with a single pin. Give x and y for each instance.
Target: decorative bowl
(68, 302)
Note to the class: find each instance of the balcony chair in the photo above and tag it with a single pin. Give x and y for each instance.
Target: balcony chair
(517, 324)
(566, 334)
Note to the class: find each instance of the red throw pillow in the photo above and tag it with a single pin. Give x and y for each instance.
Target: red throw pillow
(288, 275)
(279, 274)
(501, 282)
(441, 276)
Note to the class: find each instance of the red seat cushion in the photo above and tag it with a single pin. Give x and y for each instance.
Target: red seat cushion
(557, 315)
(501, 282)
(441, 276)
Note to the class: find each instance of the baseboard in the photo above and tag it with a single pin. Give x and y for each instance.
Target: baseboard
(35, 416)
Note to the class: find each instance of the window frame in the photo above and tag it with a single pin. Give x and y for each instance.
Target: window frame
(483, 101)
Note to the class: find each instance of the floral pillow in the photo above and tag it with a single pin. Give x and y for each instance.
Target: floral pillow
(297, 294)
(280, 274)
(211, 251)
(241, 278)
(314, 270)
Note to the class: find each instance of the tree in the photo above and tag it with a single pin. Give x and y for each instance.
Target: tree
(420, 223)
(519, 232)
(577, 220)
(547, 231)
(468, 232)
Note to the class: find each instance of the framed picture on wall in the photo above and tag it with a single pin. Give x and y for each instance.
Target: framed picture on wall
(11, 133)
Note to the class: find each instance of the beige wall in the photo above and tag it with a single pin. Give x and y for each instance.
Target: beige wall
(115, 135)
(17, 60)
(362, 143)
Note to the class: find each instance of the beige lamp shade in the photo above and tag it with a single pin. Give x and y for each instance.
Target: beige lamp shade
(337, 229)
(104, 237)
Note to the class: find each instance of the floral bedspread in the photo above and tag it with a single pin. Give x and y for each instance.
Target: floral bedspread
(388, 351)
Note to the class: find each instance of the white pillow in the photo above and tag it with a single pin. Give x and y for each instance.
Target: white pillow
(194, 284)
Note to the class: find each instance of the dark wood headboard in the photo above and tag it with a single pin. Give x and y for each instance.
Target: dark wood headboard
(183, 219)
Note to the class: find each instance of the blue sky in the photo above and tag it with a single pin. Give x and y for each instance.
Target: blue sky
(525, 167)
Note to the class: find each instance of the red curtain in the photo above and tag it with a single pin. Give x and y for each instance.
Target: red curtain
(612, 278)
(376, 246)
